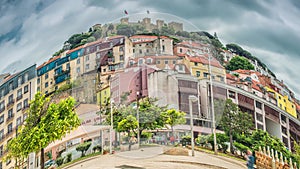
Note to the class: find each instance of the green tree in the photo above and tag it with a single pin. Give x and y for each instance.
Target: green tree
(83, 148)
(48, 120)
(235, 121)
(239, 62)
(129, 124)
(173, 117)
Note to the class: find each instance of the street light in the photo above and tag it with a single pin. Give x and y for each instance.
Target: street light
(111, 126)
(138, 117)
(192, 99)
(212, 106)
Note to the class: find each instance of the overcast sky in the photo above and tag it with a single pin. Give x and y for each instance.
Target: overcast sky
(32, 30)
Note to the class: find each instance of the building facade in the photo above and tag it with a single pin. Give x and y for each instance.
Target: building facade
(17, 91)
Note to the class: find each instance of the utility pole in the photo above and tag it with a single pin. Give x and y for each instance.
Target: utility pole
(100, 108)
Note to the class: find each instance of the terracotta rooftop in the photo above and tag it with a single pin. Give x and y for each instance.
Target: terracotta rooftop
(204, 60)
(147, 37)
(77, 48)
(230, 76)
(49, 61)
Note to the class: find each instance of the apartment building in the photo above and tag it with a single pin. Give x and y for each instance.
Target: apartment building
(16, 91)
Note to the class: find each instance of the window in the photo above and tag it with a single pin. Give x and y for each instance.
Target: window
(18, 122)
(10, 114)
(25, 103)
(25, 89)
(149, 60)
(163, 48)
(1, 149)
(174, 61)
(24, 116)
(121, 58)
(166, 62)
(141, 61)
(147, 50)
(231, 94)
(19, 81)
(121, 49)
(158, 62)
(198, 73)
(259, 117)
(10, 99)
(26, 77)
(38, 89)
(87, 66)
(180, 50)
(87, 58)
(279, 97)
(284, 130)
(68, 66)
(2, 92)
(78, 70)
(195, 64)
(97, 48)
(19, 94)
(259, 126)
(1, 118)
(19, 106)
(9, 128)
(46, 84)
(133, 50)
(221, 79)
(1, 137)
(10, 86)
(283, 118)
(98, 55)
(205, 75)
(141, 51)
(258, 104)
(46, 76)
(87, 49)
(78, 61)
(38, 81)
(2, 107)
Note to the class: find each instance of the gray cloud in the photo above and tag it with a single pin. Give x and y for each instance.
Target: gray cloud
(32, 31)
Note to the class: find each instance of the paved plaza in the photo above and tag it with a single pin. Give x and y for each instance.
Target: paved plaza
(153, 158)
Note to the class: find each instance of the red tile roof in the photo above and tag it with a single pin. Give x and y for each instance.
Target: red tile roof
(72, 50)
(230, 76)
(204, 60)
(148, 37)
(49, 61)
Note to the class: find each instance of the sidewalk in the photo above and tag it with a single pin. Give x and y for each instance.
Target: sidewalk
(153, 157)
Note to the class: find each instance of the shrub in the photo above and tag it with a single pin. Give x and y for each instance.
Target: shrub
(221, 140)
(69, 158)
(97, 148)
(59, 161)
(83, 148)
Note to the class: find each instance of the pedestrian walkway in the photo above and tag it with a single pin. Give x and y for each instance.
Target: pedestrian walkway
(153, 158)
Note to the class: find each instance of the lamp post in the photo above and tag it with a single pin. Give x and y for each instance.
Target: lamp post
(192, 99)
(138, 117)
(111, 126)
(212, 106)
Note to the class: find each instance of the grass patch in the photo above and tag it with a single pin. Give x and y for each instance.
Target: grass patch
(79, 159)
(209, 151)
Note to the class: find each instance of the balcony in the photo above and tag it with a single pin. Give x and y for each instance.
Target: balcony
(19, 97)
(10, 103)
(67, 71)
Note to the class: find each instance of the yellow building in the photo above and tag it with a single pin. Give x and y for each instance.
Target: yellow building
(199, 67)
(103, 95)
(284, 103)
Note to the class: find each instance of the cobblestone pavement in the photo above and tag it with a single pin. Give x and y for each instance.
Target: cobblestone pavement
(153, 158)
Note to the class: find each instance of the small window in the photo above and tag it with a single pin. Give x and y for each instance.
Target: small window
(19, 81)
(98, 55)
(38, 81)
(166, 62)
(258, 104)
(87, 58)
(19, 106)
(180, 50)
(1, 118)
(46, 84)
(46, 76)
(198, 73)
(78, 61)
(25, 103)
(121, 58)
(174, 61)
(87, 66)
(205, 75)
(121, 49)
(26, 77)
(78, 70)
(163, 48)
(158, 62)
(141, 51)
(18, 121)
(195, 64)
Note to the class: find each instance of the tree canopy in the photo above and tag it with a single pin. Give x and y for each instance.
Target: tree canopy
(47, 121)
(239, 62)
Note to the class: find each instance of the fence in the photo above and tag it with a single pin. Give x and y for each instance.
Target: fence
(270, 159)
